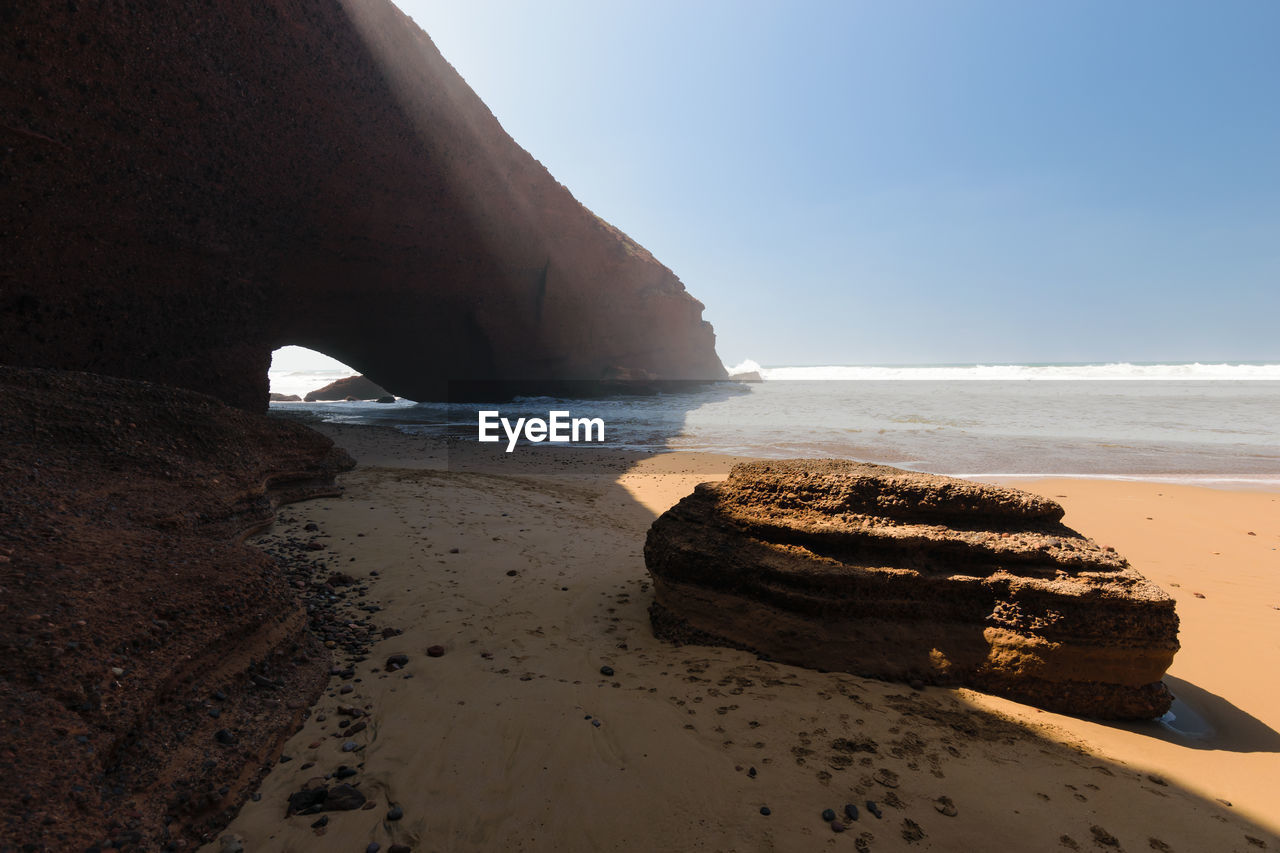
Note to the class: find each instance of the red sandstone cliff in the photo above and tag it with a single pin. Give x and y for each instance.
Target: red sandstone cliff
(189, 186)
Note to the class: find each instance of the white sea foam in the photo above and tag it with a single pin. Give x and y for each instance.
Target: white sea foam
(1078, 372)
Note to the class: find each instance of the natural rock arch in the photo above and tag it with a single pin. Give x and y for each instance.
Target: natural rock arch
(195, 185)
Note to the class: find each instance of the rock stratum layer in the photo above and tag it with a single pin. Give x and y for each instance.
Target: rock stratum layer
(190, 185)
(894, 574)
(134, 626)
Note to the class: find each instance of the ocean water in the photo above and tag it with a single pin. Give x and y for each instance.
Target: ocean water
(1210, 424)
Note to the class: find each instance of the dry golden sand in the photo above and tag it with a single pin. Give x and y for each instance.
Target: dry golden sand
(497, 753)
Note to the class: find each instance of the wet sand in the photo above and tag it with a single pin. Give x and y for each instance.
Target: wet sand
(527, 571)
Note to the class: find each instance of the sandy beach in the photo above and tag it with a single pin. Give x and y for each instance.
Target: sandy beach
(527, 572)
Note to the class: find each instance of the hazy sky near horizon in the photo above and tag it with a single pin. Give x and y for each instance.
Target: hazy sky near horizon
(915, 182)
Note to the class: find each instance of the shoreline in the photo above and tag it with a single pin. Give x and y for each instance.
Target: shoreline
(494, 742)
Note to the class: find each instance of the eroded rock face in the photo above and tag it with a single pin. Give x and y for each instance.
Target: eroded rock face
(877, 571)
(131, 612)
(189, 186)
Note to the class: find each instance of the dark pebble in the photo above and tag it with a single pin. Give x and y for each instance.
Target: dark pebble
(766, 811)
(224, 736)
(454, 551)
(606, 670)
(829, 815)
(344, 772)
(397, 661)
(435, 651)
(395, 813)
(373, 847)
(850, 811)
(874, 809)
(512, 573)
(837, 826)
(400, 848)
(323, 821)
(308, 798)
(751, 772)
(595, 723)
(343, 798)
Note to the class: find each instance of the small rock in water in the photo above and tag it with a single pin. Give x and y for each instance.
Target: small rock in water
(828, 815)
(874, 809)
(606, 670)
(435, 651)
(850, 811)
(766, 811)
(395, 813)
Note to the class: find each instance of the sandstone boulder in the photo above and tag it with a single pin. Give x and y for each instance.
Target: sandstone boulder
(893, 574)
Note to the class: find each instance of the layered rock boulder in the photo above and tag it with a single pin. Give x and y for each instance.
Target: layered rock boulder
(189, 186)
(905, 576)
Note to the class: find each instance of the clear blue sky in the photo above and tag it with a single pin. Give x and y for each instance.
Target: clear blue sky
(916, 182)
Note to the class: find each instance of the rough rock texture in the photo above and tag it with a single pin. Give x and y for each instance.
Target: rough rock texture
(889, 573)
(358, 387)
(188, 186)
(130, 613)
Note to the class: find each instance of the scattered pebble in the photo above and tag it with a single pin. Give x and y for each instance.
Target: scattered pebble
(837, 826)
(350, 746)
(224, 736)
(396, 662)
(766, 811)
(435, 651)
(874, 809)
(395, 813)
(850, 811)
(323, 821)
(828, 815)
(606, 670)
(595, 723)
